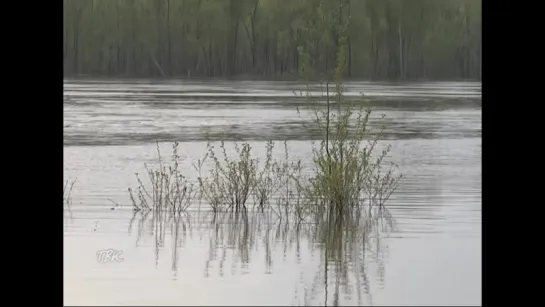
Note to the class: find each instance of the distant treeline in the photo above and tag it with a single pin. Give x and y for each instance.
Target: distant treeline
(387, 39)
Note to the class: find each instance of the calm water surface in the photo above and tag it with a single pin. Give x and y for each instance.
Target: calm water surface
(425, 250)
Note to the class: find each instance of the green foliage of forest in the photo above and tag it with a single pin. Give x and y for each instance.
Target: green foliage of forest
(386, 39)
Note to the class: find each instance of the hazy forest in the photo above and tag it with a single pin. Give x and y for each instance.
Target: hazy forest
(262, 39)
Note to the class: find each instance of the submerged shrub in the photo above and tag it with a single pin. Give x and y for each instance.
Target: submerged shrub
(168, 189)
(347, 172)
(232, 183)
(67, 194)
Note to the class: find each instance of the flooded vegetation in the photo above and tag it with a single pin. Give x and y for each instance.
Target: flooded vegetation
(216, 192)
(67, 194)
(421, 247)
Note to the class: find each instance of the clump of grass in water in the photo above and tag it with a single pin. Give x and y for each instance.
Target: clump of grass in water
(290, 196)
(269, 180)
(346, 169)
(345, 174)
(67, 194)
(168, 189)
(232, 183)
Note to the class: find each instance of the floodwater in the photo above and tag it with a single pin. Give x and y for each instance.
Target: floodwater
(424, 250)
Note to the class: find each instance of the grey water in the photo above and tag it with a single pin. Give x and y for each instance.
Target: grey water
(425, 251)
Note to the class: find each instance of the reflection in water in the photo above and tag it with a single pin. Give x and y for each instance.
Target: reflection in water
(345, 247)
(435, 130)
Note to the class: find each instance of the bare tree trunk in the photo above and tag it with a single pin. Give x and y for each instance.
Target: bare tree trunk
(183, 39)
(467, 47)
(76, 40)
(169, 40)
(401, 70)
(157, 64)
(401, 43)
(118, 47)
(235, 43)
(251, 36)
(349, 45)
(210, 59)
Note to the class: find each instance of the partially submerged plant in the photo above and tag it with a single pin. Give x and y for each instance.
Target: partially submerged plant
(168, 189)
(67, 194)
(290, 196)
(346, 171)
(232, 182)
(268, 180)
(343, 169)
(381, 182)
